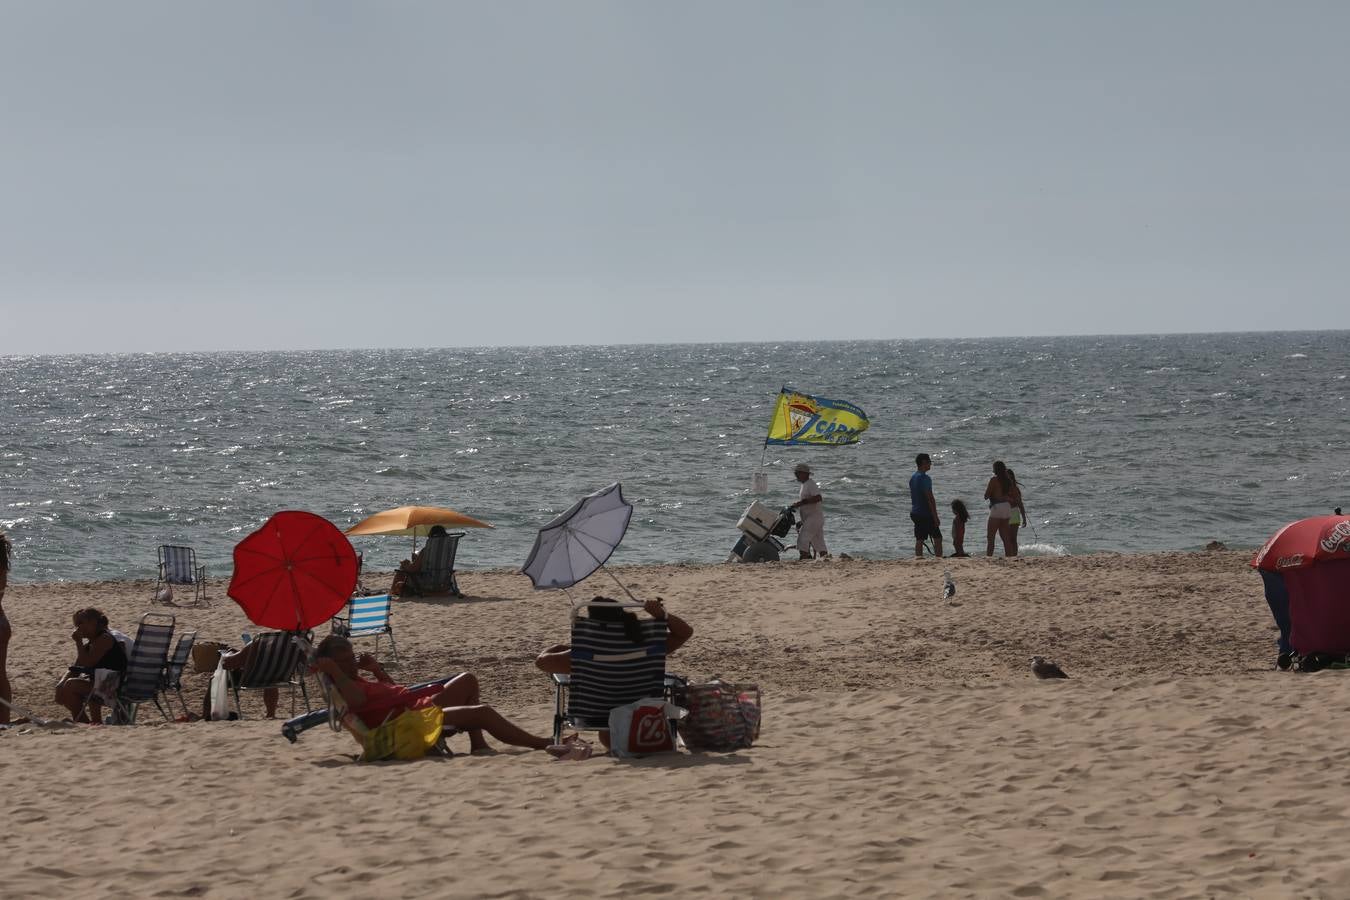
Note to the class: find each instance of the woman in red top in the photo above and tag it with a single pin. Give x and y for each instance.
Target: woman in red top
(380, 700)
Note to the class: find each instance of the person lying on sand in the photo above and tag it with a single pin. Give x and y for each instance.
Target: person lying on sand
(376, 700)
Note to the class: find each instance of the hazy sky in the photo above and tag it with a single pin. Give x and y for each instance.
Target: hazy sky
(193, 175)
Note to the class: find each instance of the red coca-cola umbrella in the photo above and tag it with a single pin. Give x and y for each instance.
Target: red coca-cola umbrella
(295, 572)
(1305, 543)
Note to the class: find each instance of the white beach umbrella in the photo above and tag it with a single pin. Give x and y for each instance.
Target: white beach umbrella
(572, 546)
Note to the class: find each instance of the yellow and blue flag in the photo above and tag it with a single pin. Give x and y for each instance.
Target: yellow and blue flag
(803, 419)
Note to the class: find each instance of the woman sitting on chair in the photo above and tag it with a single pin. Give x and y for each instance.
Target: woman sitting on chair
(95, 648)
(378, 700)
(557, 660)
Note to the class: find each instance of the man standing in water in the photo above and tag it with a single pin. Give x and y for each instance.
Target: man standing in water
(811, 532)
(923, 508)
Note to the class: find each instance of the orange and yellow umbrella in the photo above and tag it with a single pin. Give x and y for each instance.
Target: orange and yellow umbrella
(414, 520)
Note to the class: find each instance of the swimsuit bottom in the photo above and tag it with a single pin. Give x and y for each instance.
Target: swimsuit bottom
(1000, 510)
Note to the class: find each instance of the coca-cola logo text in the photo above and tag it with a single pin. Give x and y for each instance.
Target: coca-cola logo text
(1338, 538)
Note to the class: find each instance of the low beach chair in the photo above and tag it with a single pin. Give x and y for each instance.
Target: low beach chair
(608, 671)
(145, 668)
(383, 741)
(366, 617)
(173, 670)
(437, 575)
(178, 566)
(277, 662)
(374, 743)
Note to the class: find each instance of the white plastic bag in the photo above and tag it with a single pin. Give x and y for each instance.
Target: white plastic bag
(220, 693)
(640, 728)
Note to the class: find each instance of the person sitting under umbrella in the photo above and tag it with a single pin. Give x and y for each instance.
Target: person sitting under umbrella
(557, 660)
(235, 661)
(379, 700)
(409, 566)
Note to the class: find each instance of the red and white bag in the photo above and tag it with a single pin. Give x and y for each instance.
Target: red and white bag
(641, 728)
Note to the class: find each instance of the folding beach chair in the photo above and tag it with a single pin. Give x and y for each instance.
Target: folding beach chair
(375, 744)
(276, 663)
(608, 671)
(173, 671)
(437, 575)
(178, 565)
(102, 689)
(145, 668)
(366, 617)
(389, 738)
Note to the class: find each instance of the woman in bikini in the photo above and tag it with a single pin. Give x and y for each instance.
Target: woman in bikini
(998, 492)
(6, 694)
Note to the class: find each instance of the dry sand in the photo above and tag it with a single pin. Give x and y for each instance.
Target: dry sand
(906, 750)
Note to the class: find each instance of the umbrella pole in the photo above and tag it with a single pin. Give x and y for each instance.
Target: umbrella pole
(621, 585)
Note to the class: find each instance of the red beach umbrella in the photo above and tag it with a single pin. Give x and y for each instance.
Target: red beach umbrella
(1304, 543)
(294, 572)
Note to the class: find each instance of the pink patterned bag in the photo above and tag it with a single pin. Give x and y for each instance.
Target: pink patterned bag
(722, 716)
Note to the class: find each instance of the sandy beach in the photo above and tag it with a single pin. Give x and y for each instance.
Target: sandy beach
(906, 750)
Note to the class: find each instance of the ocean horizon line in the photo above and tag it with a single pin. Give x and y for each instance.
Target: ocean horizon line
(649, 344)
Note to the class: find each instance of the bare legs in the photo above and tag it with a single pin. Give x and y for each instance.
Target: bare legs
(71, 692)
(484, 718)
(236, 662)
(462, 690)
(937, 548)
(1003, 528)
(5, 693)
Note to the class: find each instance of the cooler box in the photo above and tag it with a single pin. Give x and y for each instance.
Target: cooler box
(757, 521)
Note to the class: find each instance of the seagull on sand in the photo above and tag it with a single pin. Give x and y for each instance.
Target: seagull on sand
(948, 586)
(1043, 668)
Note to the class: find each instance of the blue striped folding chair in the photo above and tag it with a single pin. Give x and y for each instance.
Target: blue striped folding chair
(437, 574)
(608, 671)
(145, 668)
(366, 617)
(178, 565)
(277, 661)
(173, 670)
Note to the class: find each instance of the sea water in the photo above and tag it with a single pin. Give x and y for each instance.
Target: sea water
(1121, 443)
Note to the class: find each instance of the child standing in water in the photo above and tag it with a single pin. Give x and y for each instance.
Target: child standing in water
(960, 515)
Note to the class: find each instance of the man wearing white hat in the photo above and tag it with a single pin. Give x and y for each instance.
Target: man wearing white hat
(811, 532)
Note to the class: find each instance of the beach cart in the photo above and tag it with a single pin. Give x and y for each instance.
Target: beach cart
(761, 528)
